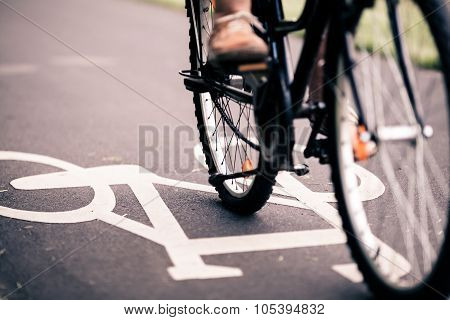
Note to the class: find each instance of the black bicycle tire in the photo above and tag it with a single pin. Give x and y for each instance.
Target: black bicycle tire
(437, 284)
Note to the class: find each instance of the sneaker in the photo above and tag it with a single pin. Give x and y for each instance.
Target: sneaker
(363, 146)
(233, 40)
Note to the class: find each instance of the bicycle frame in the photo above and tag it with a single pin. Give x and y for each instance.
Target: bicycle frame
(313, 19)
(278, 99)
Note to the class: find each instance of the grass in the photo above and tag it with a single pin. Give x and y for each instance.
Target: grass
(373, 31)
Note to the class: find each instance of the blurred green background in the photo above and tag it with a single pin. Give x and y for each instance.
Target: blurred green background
(374, 31)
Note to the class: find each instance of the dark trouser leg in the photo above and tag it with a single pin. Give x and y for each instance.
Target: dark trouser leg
(316, 83)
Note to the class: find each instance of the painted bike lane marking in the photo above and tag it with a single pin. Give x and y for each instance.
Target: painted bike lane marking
(184, 253)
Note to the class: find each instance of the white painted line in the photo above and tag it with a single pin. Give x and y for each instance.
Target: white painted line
(123, 175)
(184, 253)
(12, 69)
(104, 199)
(349, 271)
(313, 201)
(286, 202)
(269, 241)
(132, 226)
(370, 186)
(3, 190)
(309, 199)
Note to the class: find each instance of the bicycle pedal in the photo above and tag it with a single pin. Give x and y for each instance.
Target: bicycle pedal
(324, 159)
(300, 169)
(196, 85)
(243, 68)
(318, 149)
(216, 179)
(253, 67)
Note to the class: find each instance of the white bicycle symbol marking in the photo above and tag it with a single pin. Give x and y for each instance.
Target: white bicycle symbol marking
(185, 254)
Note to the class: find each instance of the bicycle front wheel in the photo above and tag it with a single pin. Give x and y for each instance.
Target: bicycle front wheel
(400, 240)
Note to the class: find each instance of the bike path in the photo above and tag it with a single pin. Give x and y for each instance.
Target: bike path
(57, 104)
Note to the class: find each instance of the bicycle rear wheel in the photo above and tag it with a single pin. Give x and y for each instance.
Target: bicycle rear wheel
(400, 240)
(227, 126)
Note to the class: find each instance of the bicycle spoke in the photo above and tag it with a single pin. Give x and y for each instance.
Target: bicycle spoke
(411, 216)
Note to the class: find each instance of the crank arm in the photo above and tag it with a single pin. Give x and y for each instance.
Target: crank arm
(217, 179)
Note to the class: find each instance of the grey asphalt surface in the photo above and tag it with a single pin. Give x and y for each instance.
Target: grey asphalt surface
(55, 103)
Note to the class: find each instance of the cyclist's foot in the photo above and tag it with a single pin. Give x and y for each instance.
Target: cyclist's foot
(363, 146)
(233, 41)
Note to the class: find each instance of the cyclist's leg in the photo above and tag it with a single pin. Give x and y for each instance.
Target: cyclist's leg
(316, 83)
(361, 149)
(233, 39)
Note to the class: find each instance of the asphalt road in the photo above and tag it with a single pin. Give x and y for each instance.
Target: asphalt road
(81, 81)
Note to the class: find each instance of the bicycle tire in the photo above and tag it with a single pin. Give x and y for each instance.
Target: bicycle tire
(436, 284)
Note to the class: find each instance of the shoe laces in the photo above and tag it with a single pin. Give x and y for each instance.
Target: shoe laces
(242, 15)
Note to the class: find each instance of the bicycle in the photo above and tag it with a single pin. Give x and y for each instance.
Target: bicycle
(245, 120)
